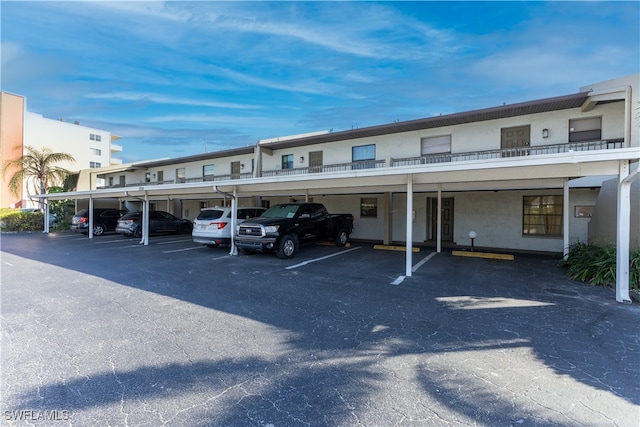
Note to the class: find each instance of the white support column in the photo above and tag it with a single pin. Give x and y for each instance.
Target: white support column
(565, 217)
(409, 244)
(439, 221)
(45, 226)
(623, 231)
(387, 205)
(234, 221)
(145, 220)
(90, 217)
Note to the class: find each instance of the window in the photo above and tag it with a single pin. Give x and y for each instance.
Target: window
(207, 170)
(369, 207)
(180, 175)
(542, 216)
(287, 161)
(94, 165)
(364, 156)
(585, 129)
(92, 136)
(98, 138)
(435, 145)
(96, 151)
(110, 181)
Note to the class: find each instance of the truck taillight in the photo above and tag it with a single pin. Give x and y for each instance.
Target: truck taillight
(219, 225)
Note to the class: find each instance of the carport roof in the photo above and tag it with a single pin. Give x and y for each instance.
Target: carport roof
(511, 110)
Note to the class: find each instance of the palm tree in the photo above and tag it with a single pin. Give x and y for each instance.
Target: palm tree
(37, 167)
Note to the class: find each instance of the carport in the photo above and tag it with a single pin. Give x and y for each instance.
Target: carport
(553, 171)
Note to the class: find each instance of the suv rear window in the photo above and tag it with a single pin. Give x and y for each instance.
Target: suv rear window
(210, 214)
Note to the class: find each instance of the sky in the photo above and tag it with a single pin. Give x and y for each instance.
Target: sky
(175, 79)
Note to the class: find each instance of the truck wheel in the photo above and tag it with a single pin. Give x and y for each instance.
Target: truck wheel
(342, 238)
(287, 247)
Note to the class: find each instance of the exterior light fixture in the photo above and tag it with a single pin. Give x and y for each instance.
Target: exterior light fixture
(301, 159)
(545, 133)
(472, 236)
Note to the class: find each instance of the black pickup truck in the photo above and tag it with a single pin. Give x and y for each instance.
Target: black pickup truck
(283, 228)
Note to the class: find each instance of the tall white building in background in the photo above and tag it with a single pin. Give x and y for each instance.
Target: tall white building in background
(19, 128)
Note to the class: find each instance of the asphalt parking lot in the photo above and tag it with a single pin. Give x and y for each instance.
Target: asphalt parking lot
(108, 332)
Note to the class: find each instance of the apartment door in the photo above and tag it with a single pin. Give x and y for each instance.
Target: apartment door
(447, 219)
(235, 170)
(315, 161)
(515, 141)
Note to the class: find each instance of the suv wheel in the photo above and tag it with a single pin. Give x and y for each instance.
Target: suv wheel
(98, 230)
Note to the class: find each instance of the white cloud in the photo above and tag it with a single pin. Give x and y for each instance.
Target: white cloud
(159, 99)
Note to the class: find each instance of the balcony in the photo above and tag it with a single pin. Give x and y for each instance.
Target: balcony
(407, 161)
(365, 164)
(509, 152)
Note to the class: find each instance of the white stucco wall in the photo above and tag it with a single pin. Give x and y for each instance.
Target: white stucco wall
(64, 137)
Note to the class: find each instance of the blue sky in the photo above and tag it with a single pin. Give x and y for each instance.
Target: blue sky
(178, 78)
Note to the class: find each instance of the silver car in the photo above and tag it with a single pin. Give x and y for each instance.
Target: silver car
(212, 227)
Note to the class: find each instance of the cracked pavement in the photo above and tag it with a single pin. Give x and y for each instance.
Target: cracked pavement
(116, 334)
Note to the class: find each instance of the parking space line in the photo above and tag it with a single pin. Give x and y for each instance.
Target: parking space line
(400, 279)
(168, 242)
(183, 249)
(302, 264)
(109, 241)
(421, 263)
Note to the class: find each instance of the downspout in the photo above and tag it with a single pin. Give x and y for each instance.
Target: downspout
(234, 216)
(145, 237)
(90, 216)
(623, 230)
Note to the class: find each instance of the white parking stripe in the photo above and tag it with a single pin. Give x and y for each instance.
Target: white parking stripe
(421, 263)
(168, 242)
(320, 259)
(184, 249)
(398, 280)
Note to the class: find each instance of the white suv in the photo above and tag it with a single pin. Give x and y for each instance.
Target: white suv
(213, 226)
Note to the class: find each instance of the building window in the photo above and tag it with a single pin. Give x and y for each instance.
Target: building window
(110, 181)
(94, 165)
(96, 151)
(585, 129)
(369, 207)
(435, 145)
(180, 175)
(92, 136)
(542, 216)
(207, 170)
(363, 156)
(287, 161)
(98, 138)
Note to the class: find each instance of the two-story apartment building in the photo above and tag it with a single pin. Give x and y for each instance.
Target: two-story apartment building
(523, 177)
(20, 128)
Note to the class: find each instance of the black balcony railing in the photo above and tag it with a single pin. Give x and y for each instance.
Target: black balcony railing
(340, 167)
(509, 152)
(409, 161)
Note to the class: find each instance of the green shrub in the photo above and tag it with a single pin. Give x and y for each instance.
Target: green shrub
(14, 220)
(596, 264)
